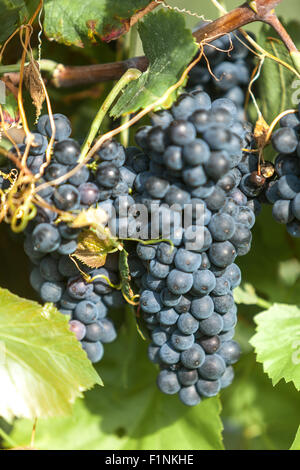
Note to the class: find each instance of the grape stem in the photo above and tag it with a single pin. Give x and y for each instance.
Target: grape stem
(131, 74)
(249, 12)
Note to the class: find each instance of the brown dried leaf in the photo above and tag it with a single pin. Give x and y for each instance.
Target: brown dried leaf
(90, 260)
(32, 80)
(260, 132)
(91, 250)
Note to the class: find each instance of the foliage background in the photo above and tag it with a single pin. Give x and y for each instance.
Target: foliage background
(129, 413)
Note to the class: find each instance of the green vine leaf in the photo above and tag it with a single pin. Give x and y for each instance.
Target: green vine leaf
(169, 47)
(74, 22)
(13, 14)
(246, 295)
(277, 343)
(43, 368)
(129, 413)
(296, 443)
(277, 84)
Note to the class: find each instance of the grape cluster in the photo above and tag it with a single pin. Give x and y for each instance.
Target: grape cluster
(194, 159)
(49, 244)
(283, 190)
(230, 69)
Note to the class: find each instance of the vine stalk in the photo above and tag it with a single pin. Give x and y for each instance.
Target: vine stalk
(131, 74)
(260, 10)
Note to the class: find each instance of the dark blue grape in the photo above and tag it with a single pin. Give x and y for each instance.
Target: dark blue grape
(189, 396)
(187, 261)
(227, 377)
(282, 211)
(168, 298)
(212, 325)
(204, 282)
(67, 151)
(67, 247)
(49, 269)
(150, 302)
(223, 303)
(293, 228)
(288, 186)
(179, 282)
(36, 280)
(153, 283)
(81, 176)
(222, 227)
(208, 388)
(222, 286)
(181, 132)
(233, 274)
(210, 344)
(227, 75)
(51, 291)
(107, 175)
(183, 305)
(193, 357)
(225, 104)
(78, 329)
(180, 341)
(202, 307)
(103, 331)
(94, 351)
(216, 199)
(178, 196)
(159, 336)
(213, 367)
(89, 193)
(45, 238)
(86, 312)
(230, 351)
(167, 382)
(62, 127)
(78, 289)
(42, 123)
(222, 254)
(168, 354)
(66, 197)
(187, 324)
(109, 150)
(194, 176)
(173, 157)
(187, 376)
(168, 316)
(285, 140)
(196, 153)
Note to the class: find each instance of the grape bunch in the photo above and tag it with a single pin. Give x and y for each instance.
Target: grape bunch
(194, 160)
(230, 63)
(49, 243)
(283, 190)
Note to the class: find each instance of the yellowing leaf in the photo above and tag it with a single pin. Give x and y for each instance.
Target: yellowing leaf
(91, 250)
(43, 368)
(129, 413)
